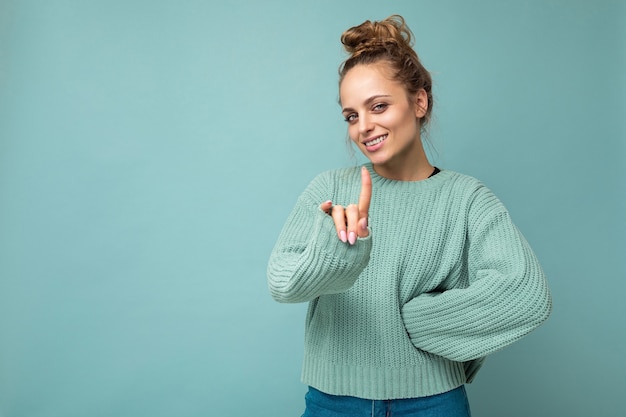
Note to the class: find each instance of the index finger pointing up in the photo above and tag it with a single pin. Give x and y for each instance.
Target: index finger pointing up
(366, 193)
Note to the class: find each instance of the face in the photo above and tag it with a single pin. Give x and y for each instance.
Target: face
(382, 120)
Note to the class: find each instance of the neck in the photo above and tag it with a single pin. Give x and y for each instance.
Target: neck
(417, 174)
(411, 166)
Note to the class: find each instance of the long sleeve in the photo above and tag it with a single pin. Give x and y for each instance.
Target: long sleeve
(443, 280)
(308, 259)
(507, 296)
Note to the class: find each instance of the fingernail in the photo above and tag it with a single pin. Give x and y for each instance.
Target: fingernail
(352, 238)
(342, 236)
(364, 224)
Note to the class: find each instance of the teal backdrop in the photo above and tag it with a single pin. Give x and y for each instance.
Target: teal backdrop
(150, 152)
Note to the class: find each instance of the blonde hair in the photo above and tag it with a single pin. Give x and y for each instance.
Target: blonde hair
(389, 40)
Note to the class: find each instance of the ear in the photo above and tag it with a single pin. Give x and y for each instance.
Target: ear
(421, 103)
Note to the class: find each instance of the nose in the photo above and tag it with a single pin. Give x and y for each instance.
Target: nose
(365, 124)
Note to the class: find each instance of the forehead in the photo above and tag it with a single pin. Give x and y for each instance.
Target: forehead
(364, 81)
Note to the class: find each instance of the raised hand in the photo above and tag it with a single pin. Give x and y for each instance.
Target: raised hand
(351, 221)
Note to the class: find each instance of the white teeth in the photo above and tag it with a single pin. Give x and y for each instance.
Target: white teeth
(376, 141)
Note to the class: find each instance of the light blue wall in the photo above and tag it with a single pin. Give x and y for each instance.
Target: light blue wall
(151, 150)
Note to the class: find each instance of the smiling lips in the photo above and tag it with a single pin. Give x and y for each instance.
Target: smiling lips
(371, 144)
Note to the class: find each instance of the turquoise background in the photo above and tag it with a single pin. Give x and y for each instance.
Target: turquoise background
(151, 150)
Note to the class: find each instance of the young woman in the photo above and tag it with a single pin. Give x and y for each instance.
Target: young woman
(413, 274)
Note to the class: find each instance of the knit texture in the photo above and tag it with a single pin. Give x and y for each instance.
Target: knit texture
(443, 280)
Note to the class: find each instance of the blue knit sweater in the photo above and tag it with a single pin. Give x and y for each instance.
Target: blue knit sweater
(443, 279)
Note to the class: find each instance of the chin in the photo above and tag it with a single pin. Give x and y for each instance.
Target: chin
(376, 159)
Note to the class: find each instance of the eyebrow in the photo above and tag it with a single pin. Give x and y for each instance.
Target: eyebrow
(368, 101)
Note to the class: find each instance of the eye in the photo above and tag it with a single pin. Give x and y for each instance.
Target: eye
(380, 107)
(351, 118)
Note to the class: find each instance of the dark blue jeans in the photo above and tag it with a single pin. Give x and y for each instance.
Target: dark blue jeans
(448, 404)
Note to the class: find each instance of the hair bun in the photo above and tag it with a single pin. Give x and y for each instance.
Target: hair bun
(375, 35)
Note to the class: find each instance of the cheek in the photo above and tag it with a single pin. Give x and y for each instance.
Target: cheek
(353, 133)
